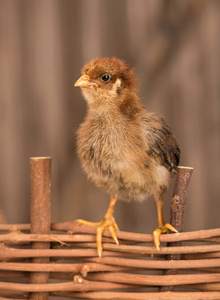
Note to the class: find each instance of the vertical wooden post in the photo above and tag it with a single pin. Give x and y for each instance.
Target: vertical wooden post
(177, 212)
(40, 214)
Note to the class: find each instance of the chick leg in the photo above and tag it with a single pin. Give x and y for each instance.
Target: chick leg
(107, 223)
(161, 227)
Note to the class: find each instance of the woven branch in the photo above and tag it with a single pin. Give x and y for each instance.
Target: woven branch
(112, 270)
(6, 252)
(142, 296)
(15, 236)
(131, 270)
(83, 285)
(135, 296)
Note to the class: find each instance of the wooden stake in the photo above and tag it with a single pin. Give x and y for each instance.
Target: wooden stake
(177, 213)
(40, 215)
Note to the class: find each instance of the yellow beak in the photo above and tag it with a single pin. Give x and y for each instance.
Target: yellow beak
(84, 81)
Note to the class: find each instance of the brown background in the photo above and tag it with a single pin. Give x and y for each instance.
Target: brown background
(174, 47)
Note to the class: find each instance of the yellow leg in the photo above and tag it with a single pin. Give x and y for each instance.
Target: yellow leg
(107, 223)
(161, 227)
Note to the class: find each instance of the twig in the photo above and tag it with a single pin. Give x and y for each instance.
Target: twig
(203, 286)
(156, 264)
(40, 214)
(82, 268)
(177, 212)
(86, 230)
(156, 280)
(82, 285)
(178, 204)
(201, 255)
(141, 296)
(7, 253)
(24, 296)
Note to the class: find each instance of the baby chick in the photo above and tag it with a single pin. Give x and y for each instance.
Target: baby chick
(129, 152)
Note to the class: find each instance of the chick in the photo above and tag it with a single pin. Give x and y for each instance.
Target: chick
(124, 149)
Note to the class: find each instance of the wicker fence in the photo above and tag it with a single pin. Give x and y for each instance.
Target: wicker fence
(41, 260)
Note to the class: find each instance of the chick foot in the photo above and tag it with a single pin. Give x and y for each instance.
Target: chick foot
(161, 230)
(107, 223)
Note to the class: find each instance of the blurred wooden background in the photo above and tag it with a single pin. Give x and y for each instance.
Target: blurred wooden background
(174, 47)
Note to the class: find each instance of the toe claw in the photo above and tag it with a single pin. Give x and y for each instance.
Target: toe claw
(99, 240)
(156, 234)
(113, 234)
(99, 253)
(170, 227)
(158, 247)
(87, 223)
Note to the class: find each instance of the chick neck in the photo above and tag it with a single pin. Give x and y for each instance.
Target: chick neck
(124, 107)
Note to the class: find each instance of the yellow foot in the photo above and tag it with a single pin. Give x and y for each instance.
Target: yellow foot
(157, 232)
(107, 223)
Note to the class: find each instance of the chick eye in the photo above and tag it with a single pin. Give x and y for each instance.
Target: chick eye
(105, 77)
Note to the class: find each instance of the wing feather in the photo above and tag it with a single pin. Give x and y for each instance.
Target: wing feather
(161, 143)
